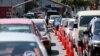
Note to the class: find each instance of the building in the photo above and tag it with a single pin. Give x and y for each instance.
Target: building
(6, 7)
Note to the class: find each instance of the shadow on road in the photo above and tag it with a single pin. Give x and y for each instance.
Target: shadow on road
(53, 44)
(54, 52)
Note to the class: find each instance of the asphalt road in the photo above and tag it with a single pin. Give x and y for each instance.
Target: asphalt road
(57, 48)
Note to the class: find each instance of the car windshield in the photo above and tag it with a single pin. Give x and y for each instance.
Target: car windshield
(19, 48)
(15, 28)
(97, 32)
(70, 24)
(85, 20)
(40, 26)
(97, 25)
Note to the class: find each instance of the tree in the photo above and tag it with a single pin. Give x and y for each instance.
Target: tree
(78, 2)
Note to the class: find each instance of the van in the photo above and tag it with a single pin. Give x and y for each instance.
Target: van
(83, 19)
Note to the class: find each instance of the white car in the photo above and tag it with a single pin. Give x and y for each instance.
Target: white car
(42, 28)
(20, 44)
(68, 24)
(52, 18)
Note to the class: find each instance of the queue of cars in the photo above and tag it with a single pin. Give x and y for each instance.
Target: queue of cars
(42, 28)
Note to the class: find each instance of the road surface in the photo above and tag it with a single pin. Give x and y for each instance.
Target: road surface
(57, 48)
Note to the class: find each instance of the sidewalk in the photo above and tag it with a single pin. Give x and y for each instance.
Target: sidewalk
(57, 48)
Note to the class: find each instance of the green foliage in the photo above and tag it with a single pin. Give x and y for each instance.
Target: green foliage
(77, 2)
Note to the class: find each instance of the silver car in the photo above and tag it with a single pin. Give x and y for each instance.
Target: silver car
(41, 26)
(20, 44)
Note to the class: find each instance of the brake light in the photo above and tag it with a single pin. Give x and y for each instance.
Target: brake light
(46, 42)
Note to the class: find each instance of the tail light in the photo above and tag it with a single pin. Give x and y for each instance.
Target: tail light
(46, 42)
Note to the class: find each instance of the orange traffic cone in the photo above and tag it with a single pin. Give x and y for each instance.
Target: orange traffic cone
(67, 47)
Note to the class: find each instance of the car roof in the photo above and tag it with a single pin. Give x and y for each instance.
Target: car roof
(71, 19)
(89, 13)
(16, 36)
(38, 20)
(15, 21)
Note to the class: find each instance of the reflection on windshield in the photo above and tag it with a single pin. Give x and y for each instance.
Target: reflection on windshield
(15, 28)
(40, 26)
(18, 48)
(84, 20)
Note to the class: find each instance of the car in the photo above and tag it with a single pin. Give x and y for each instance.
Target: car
(52, 18)
(17, 25)
(21, 44)
(94, 41)
(22, 25)
(91, 31)
(42, 28)
(30, 15)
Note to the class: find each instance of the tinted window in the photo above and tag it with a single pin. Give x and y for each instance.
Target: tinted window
(97, 32)
(71, 23)
(97, 25)
(84, 20)
(40, 26)
(15, 28)
(18, 48)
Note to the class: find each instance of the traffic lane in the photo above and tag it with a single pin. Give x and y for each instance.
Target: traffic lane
(57, 48)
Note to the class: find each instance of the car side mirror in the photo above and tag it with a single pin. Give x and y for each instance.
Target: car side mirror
(75, 26)
(86, 32)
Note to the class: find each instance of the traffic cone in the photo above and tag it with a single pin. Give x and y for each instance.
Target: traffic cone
(70, 49)
(64, 42)
(67, 47)
(58, 35)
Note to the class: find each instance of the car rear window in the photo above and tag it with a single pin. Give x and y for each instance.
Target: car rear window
(97, 25)
(19, 48)
(15, 28)
(40, 26)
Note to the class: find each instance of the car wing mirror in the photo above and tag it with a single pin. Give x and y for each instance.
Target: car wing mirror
(75, 26)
